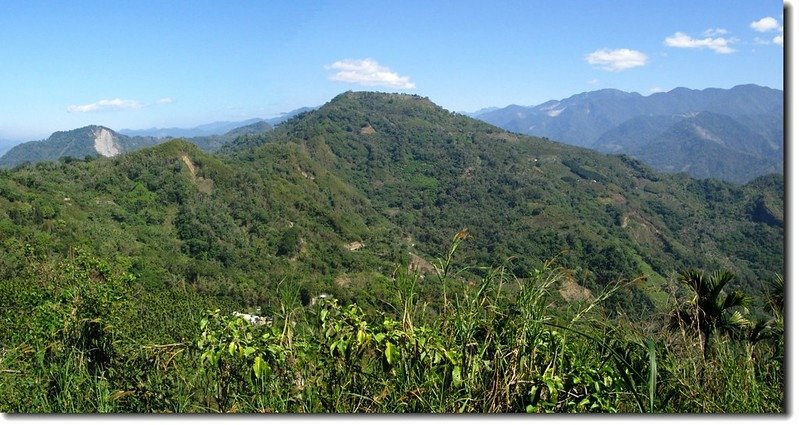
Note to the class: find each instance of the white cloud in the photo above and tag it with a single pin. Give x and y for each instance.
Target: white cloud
(616, 60)
(657, 90)
(107, 105)
(593, 81)
(766, 24)
(367, 72)
(682, 40)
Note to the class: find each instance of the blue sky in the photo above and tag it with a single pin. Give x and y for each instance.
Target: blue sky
(140, 64)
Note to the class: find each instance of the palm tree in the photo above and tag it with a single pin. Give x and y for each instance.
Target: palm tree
(710, 310)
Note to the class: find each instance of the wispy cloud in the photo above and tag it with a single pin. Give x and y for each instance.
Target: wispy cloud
(107, 105)
(712, 32)
(367, 72)
(682, 40)
(657, 90)
(616, 60)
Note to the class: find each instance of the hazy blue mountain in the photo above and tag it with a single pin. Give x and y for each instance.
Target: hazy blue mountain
(213, 143)
(745, 120)
(217, 128)
(287, 115)
(5, 145)
(634, 132)
(704, 145)
(211, 129)
(578, 120)
(481, 112)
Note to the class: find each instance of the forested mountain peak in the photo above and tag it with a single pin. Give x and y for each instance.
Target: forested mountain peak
(432, 172)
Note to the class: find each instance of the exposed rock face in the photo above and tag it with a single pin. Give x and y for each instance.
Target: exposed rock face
(104, 143)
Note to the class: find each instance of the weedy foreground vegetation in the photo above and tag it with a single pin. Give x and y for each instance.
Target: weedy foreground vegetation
(500, 344)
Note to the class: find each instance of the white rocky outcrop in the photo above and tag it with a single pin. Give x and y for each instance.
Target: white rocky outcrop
(105, 143)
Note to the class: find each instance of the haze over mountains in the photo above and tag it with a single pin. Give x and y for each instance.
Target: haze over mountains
(96, 140)
(211, 129)
(93, 140)
(732, 134)
(5, 145)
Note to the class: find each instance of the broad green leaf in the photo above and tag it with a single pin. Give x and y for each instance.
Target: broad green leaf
(391, 353)
(257, 366)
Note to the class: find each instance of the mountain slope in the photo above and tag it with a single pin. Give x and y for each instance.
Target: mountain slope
(86, 141)
(590, 119)
(704, 145)
(432, 173)
(711, 145)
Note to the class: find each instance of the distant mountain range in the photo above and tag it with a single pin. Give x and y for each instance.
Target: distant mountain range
(212, 129)
(97, 140)
(731, 134)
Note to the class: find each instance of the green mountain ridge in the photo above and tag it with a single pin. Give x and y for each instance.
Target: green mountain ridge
(433, 172)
